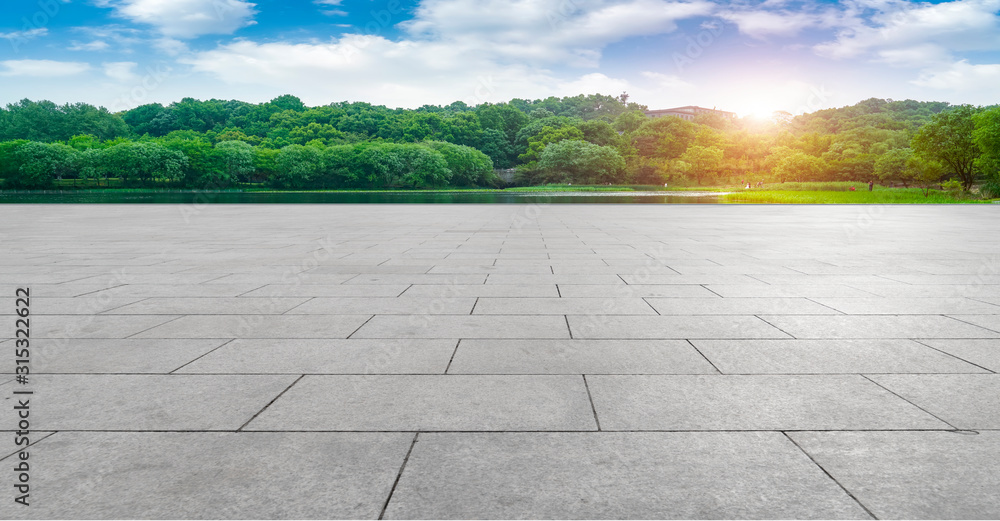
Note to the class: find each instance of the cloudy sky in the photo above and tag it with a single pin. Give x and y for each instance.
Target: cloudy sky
(747, 56)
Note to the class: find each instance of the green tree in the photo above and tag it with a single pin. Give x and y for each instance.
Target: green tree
(297, 166)
(947, 138)
(576, 161)
(704, 163)
(39, 164)
(799, 166)
(237, 161)
(986, 136)
(468, 166)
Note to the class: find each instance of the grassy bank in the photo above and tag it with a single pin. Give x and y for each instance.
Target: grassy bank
(887, 196)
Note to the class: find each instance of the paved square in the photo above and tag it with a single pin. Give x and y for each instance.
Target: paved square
(505, 361)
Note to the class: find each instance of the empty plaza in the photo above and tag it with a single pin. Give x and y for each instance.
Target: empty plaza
(504, 361)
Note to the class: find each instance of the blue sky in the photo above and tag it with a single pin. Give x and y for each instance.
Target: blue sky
(748, 56)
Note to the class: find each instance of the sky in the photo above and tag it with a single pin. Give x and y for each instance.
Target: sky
(746, 56)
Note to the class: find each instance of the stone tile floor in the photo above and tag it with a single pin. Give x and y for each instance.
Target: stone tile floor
(504, 361)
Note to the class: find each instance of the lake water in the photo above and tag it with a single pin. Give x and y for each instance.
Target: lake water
(416, 197)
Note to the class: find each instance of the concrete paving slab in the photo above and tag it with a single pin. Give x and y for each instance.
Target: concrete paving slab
(480, 290)
(787, 290)
(151, 402)
(563, 306)
(615, 475)
(634, 290)
(72, 306)
(829, 357)
(93, 326)
(431, 403)
(913, 475)
(578, 357)
(967, 401)
(984, 353)
(640, 277)
(257, 326)
(194, 475)
(531, 280)
(108, 356)
(209, 306)
(176, 290)
(312, 356)
(877, 326)
(909, 306)
(933, 291)
(738, 306)
(990, 322)
(472, 326)
(723, 402)
(385, 306)
(327, 290)
(702, 326)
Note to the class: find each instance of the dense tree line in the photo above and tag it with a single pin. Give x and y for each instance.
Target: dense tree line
(591, 139)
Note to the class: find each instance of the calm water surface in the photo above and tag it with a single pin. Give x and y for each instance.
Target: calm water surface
(357, 197)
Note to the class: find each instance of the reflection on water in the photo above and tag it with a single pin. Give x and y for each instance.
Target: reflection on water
(503, 197)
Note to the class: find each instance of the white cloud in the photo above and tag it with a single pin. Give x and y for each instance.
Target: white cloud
(187, 18)
(540, 31)
(469, 50)
(25, 35)
(959, 25)
(668, 82)
(96, 45)
(963, 76)
(123, 72)
(42, 68)
(761, 24)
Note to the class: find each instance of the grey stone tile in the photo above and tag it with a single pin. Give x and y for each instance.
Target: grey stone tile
(326, 290)
(396, 279)
(913, 475)
(635, 290)
(487, 269)
(738, 306)
(967, 401)
(933, 291)
(386, 306)
(258, 326)
(876, 326)
(176, 290)
(578, 357)
(854, 280)
(116, 355)
(985, 353)
(908, 306)
(829, 356)
(481, 290)
(506, 278)
(676, 475)
(151, 402)
(209, 306)
(72, 306)
(288, 278)
(991, 322)
(639, 277)
(191, 475)
(786, 290)
(722, 402)
(703, 326)
(312, 356)
(563, 306)
(431, 403)
(472, 326)
(93, 326)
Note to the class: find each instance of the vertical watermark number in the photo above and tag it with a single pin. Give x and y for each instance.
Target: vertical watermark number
(22, 394)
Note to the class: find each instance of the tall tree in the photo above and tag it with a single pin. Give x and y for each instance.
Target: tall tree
(947, 138)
